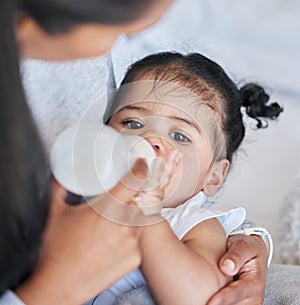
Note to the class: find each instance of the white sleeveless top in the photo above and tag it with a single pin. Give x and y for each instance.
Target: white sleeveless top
(197, 209)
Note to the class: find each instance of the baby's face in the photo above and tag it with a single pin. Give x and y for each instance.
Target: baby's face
(170, 121)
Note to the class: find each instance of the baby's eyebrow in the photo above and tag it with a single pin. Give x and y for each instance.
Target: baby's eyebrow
(188, 122)
(136, 108)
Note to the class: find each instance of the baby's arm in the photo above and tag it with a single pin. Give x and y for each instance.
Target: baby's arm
(186, 271)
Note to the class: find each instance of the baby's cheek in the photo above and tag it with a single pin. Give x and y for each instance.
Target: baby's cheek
(183, 185)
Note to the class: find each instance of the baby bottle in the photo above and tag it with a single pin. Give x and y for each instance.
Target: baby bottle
(89, 158)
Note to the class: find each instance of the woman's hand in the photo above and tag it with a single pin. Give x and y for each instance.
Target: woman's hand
(83, 253)
(246, 259)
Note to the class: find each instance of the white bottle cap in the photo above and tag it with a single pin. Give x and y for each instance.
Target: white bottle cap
(90, 158)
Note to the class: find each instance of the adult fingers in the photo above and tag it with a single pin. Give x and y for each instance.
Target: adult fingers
(114, 206)
(132, 183)
(237, 294)
(248, 289)
(247, 259)
(241, 249)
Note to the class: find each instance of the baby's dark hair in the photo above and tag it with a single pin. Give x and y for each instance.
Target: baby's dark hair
(211, 84)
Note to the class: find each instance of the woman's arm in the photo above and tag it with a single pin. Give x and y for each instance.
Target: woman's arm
(183, 272)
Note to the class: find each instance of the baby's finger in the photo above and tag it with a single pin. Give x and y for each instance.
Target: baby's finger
(170, 169)
(154, 179)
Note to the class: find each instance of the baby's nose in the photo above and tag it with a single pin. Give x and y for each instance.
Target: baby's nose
(158, 144)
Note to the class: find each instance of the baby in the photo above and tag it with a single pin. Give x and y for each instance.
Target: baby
(185, 106)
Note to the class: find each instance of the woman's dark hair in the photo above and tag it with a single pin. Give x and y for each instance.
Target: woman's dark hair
(24, 173)
(211, 84)
(58, 16)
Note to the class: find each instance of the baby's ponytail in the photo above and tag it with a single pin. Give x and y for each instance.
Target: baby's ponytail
(255, 99)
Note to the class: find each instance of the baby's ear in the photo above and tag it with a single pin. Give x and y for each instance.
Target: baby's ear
(217, 176)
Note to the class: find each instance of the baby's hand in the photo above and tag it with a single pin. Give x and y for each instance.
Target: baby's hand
(150, 200)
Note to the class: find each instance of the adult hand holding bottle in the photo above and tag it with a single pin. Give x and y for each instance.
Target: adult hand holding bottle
(77, 237)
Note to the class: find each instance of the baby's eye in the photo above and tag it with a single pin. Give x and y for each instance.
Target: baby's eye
(179, 137)
(133, 124)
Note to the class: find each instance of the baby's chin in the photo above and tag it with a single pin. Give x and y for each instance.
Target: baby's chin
(175, 199)
(178, 192)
